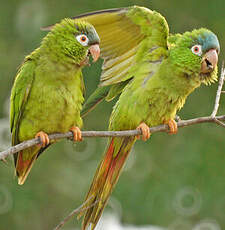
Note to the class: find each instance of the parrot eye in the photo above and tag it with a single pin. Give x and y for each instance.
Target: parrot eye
(197, 49)
(82, 39)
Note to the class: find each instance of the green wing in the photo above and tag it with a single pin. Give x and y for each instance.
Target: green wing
(19, 95)
(124, 33)
(127, 36)
(103, 92)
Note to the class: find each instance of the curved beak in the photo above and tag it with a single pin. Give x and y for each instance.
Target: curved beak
(209, 61)
(95, 52)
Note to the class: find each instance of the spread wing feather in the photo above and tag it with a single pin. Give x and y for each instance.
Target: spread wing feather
(122, 31)
(127, 36)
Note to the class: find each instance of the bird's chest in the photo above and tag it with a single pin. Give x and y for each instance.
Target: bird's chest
(162, 107)
(153, 106)
(53, 106)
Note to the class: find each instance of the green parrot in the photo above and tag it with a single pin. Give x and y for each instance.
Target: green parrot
(153, 72)
(47, 94)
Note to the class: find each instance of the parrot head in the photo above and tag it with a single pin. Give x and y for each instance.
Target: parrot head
(75, 40)
(196, 53)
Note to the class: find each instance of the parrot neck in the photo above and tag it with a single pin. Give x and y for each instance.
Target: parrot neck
(52, 61)
(177, 80)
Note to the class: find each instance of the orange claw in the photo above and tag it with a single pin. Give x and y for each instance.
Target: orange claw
(172, 126)
(76, 133)
(145, 131)
(43, 138)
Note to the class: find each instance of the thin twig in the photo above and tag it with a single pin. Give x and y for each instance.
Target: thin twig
(218, 93)
(219, 123)
(74, 212)
(57, 136)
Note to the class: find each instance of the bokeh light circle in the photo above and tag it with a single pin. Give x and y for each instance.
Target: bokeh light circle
(187, 201)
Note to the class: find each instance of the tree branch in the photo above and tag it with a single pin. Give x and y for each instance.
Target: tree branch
(160, 128)
(219, 91)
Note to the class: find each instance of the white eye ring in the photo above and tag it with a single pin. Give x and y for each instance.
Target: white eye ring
(82, 39)
(197, 49)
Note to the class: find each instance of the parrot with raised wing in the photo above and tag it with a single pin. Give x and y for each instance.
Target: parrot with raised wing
(47, 94)
(153, 72)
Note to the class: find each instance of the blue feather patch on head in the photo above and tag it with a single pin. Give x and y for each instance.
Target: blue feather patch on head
(209, 40)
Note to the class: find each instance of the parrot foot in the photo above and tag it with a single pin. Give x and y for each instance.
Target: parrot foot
(76, 133)
(43, 138)
(145, 131)
(172, 126)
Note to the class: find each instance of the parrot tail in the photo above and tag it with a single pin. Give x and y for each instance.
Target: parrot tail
(25, 160)
(23, 166)
(105, 179)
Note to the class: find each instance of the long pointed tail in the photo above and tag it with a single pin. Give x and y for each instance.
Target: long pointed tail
(24, 161)
(105, 179)
(23, 167)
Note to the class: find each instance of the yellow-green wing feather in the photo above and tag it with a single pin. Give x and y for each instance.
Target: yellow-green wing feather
(19, 96)
(124, 34)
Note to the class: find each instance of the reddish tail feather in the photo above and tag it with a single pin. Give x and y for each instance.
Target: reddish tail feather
(105, 179)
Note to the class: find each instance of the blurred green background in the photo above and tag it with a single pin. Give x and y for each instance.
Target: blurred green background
(171, 181)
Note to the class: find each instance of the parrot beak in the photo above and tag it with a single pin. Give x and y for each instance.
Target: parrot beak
(209, 61)
(95, 52)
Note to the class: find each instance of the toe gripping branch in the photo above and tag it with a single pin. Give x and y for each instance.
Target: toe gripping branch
(43, 138)
(77, 136)
(145, 131)
(172, 126)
